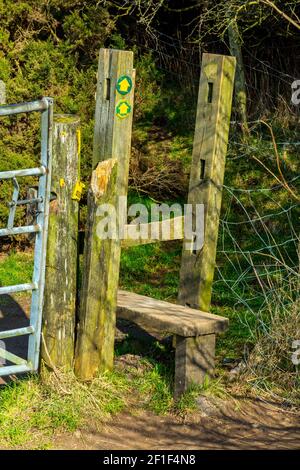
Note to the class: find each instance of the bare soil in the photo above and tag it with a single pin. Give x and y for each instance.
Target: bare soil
(254, 426)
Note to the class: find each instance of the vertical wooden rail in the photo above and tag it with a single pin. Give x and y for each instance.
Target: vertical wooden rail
(112, 145)
(61, 265)
(207, 175)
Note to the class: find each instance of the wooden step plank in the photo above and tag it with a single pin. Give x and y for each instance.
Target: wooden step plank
(167, 317)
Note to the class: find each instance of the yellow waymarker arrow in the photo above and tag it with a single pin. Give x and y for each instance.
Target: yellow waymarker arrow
(123, 109)
(124, 85)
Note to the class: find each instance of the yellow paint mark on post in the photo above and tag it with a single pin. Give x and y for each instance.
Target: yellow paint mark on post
(62, 182)
(124, 85)
(77, 192)
(123, 109)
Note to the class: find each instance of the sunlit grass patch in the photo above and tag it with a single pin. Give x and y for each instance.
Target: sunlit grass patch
(33, 410)
(152, 270)
(16, 268)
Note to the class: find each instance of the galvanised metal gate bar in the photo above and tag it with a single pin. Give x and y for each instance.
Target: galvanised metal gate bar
(45, 107)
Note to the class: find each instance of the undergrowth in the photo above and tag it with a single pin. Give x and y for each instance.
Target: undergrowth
(271, 369)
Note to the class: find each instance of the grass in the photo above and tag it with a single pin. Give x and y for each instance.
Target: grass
(33, 410)
(36, 409)
(16, 268)
(155, 389)
(238, 338)
(270, 368)
(152, 270)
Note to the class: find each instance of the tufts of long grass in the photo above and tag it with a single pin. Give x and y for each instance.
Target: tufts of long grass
(33, 410)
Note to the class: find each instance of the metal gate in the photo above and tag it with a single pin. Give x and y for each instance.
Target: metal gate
(39, 228)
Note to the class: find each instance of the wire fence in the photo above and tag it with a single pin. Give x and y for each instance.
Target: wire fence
(259, 238)
(258, 270)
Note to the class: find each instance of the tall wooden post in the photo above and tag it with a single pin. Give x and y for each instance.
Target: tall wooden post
(112, 145)
(61, 265)
(207, 175)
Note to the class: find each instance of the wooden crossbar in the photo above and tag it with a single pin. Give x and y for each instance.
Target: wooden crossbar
(153, 232)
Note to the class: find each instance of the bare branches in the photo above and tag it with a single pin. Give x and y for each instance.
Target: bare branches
(160, 177)
(145, 10)
(281, 179)
(282, 13)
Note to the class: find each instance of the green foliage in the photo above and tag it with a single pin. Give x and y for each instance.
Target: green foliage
(148, 88)
(50, 51)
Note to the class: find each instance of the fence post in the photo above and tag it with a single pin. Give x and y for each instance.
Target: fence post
(2, 92)
(61, 264)
(207, 175)
(112, 145)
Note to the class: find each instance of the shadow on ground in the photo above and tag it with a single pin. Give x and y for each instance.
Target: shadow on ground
(254, 425)
(14, 313)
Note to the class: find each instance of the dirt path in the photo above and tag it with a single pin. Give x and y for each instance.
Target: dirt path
(255, 426)
(237, 424)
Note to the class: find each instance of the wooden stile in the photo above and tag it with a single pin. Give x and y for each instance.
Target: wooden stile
(95, 342)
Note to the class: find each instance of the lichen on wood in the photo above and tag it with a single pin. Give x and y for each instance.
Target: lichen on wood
(207, 176)
(61, 264)
(112, 147)
(100, 280)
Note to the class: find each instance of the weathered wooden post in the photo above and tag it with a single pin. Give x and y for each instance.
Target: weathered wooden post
(112, 144)
(207, 175)
(2, 92)
(61, 265)
(206, 180)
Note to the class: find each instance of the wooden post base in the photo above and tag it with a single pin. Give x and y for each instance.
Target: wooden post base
(194, 360)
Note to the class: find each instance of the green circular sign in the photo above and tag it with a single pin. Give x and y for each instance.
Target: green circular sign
(123, 109)
(124, 85)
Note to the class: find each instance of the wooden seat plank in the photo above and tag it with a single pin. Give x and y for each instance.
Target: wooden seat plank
(167, 317)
